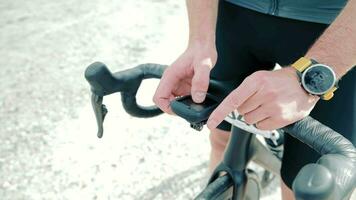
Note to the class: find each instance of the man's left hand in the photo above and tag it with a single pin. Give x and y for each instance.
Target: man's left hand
(267, 99)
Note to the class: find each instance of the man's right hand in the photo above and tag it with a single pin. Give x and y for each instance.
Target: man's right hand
(189, 74)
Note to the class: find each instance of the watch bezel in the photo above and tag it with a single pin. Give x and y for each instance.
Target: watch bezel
(311, 67)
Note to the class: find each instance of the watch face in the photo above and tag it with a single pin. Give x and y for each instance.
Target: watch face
(318, 79)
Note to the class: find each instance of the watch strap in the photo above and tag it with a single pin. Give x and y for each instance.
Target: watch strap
(329, 94)
(301, 64)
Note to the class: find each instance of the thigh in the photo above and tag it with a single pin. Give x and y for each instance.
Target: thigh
(234, 60)
(233, 42)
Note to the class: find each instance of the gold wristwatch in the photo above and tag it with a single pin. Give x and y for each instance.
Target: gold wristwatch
(316, 78)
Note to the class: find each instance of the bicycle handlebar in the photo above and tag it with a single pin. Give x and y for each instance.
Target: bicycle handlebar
(103, 83)
(309, 131)
(333, 177)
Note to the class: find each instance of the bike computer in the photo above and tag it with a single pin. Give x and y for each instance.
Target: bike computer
(195, 113)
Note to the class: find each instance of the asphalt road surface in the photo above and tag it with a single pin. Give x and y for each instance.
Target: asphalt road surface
(48, 144)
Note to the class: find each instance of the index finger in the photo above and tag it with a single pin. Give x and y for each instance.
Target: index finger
(236, 98)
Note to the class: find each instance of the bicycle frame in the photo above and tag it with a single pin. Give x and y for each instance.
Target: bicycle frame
(241, 149)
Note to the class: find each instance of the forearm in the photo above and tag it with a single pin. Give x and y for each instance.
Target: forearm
(202, 16)
(337, 45)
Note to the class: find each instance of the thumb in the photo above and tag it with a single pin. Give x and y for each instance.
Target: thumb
(200, 83)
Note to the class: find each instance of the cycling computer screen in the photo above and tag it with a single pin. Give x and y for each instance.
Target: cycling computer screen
(198, 106)
(193, 112)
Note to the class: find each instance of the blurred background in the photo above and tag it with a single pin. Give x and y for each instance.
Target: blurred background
(48, 143)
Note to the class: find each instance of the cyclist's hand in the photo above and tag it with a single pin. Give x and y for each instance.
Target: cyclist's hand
(267, 99)
(189, 74)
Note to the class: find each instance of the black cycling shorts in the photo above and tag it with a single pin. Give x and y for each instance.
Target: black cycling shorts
(248, 41)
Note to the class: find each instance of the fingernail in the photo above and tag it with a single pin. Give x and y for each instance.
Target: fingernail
(198, 97)
(212, 124)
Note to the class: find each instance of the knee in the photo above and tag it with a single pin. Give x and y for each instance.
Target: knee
(219, 139)
(287, 193)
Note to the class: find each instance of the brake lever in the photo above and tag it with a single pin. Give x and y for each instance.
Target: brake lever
(100, 112)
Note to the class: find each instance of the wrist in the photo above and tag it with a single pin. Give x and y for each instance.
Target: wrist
(207, 40)
(202, 46)
(334, 63)
(292, 72)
